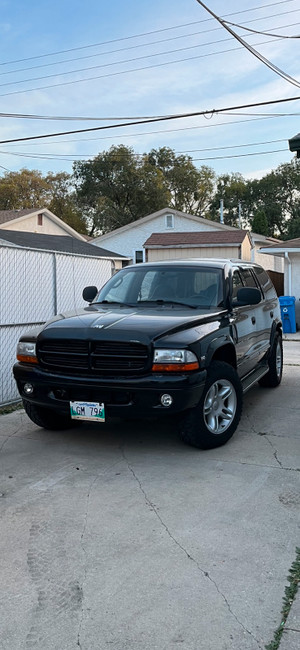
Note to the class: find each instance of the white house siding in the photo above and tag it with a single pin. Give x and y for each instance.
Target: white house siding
(125, 243)
(269, 262)
(30, 224)
(292, 281)
(157, 254)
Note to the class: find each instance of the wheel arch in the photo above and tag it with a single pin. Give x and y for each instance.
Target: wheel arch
(222, 352)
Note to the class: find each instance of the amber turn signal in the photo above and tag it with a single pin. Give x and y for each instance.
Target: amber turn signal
(26, 359)
(175, 367)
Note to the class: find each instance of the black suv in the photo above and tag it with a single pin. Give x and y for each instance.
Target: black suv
(178, 337)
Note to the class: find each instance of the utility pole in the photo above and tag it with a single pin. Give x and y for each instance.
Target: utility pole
(240, 215)
(221, 211)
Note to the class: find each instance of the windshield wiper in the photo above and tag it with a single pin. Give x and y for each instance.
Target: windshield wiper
(160, 301)
(114, 302)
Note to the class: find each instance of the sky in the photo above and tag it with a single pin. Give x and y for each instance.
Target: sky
(133, 59)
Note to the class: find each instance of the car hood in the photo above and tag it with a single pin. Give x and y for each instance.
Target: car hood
(141, 324)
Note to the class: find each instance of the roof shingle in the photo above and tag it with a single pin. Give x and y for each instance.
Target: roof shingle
(291, 243)
(61, 243)
(195, 238)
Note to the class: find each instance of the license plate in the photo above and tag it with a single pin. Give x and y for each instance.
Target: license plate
(87, 411)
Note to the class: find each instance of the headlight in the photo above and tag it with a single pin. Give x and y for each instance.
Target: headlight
(174, 361)
(26, 352)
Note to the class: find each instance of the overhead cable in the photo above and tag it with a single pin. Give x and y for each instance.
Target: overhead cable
(113, 63)
(251, 49)
(142, 45)
(156, 31)
(156, 119)
(141, 155)
(255, 31)
(118, 73)
(242, 155)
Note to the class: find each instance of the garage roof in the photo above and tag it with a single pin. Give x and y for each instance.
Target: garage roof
(196, 238)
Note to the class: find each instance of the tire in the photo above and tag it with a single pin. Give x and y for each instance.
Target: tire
(46, 418)
(205, 426)
(274, 375)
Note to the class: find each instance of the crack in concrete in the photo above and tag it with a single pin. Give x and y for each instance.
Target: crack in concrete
(241, 462)
(188, 555)
(12, 434)
(275, 452)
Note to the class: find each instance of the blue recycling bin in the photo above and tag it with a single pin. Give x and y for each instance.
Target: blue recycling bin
(288, 314)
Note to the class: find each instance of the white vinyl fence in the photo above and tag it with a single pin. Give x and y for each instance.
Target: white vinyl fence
(34, 286)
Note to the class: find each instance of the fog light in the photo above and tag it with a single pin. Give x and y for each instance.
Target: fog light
(28, 389)
(166, 400)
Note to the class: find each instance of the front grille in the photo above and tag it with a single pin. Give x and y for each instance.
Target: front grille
(93, 357)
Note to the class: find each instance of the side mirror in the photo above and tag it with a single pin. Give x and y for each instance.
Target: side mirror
(89, 293)
(247, 296)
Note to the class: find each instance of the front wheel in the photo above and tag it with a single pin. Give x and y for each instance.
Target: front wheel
(214, 420)
(47, 418)
(274, 375)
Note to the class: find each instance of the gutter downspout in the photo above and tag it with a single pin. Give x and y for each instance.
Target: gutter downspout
(286, 256)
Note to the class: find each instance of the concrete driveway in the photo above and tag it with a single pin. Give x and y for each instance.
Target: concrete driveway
(118, 536)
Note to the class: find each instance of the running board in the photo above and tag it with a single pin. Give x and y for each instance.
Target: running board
(253, 377)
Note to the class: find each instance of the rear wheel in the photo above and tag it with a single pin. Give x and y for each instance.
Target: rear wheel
(46, 418)
(274, 375)
(214, 420)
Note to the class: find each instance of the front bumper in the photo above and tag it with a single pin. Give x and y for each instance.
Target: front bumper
(123, 396)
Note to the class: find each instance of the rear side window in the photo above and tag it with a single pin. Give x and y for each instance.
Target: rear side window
(264, 281)
(236, 284)
(248, 278)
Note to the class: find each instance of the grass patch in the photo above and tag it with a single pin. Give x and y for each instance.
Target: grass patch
(288, 599)
(10, 408)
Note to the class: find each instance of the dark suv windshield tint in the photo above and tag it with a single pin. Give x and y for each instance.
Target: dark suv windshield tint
(201, 287)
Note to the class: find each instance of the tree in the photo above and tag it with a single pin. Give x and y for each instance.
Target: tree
(293, 224)
(63, 201)
(30, 189)
(232, 189)
(116, 187)
(260, 223)
(277, 194)
(23, 189)
(190, 188)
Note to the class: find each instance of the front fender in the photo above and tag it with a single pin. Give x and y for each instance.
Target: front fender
(221, 348)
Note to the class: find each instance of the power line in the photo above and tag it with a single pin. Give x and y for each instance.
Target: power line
(210, 112)
(141, 155)
(113, 63)
(242, 155)
(23, 116)
(142, 45)
(251, 49)
(187, 128)
(157, 31)
(255, 31)
(114, 74)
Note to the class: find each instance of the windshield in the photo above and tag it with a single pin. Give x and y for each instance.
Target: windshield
(188, 285)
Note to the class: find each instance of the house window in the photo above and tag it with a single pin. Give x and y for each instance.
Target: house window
(138, 257)
(40, 219)
(169, 221)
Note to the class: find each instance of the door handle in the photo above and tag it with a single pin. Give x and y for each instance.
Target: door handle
(253, 320)
(271, 314)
